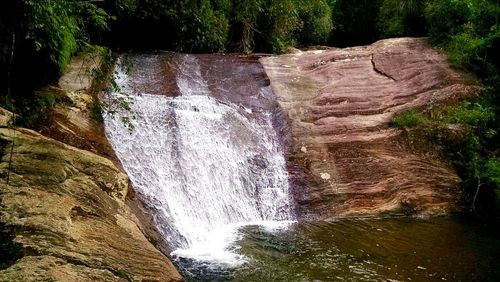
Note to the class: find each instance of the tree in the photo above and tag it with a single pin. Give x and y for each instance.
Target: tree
(402, 18)
(316, 22)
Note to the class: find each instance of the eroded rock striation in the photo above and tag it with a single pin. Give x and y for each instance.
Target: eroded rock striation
(345, 159)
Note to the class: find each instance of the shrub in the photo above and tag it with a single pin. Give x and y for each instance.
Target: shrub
(409, 119)
(445, 18)
(474, 114)
(59, 27)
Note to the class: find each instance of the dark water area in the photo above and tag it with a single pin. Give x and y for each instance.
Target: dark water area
(397, 249)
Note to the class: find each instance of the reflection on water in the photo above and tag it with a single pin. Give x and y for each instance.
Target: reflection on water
(440, 249)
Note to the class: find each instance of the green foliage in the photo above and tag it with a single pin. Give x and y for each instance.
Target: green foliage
(96, 110)
(102, 78)
(464, 49)
(479, 115)
(475, 154)
(181, 25)
(316, 22)
(111, 107)
(469, 33)
(474, 114)
(58, 27)
(245, 15)
(204, 26)
(104, 82)
(491, 172)
(37, 40)
(401, 18)
(32, 110)
(285, 20)
(124, 8)
(409, 119)
(216, 25)
(445, 18)
(126, 64)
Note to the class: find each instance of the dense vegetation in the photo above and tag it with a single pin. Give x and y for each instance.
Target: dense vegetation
(37, 38)
(469, 32)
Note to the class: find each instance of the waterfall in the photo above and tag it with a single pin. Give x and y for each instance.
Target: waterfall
(203, 166)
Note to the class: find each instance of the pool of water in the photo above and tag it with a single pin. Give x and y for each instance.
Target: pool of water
(396, 249)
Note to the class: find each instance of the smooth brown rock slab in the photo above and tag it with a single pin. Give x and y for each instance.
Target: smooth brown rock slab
(65, 208)
(345, 159)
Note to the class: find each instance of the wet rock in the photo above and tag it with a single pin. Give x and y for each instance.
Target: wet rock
(345, 160)
(65, 208)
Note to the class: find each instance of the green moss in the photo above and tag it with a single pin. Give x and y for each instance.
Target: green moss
(409, 119)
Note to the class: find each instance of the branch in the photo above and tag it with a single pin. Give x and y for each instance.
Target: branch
(8, 97)
(473, 207)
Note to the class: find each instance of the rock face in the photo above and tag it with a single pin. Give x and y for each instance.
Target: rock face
(65, 209)
(65, 214)
(345, 159)
(70, 121)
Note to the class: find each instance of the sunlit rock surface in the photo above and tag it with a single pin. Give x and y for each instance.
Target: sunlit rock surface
(345, 160)
(72, 120)
(65, 210)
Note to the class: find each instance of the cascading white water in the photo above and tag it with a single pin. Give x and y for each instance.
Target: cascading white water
(204, 167)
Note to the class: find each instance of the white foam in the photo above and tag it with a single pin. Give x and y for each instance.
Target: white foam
(203, 168)
(219, 247)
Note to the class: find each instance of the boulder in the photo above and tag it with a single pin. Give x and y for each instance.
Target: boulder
(64, 209)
